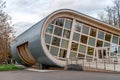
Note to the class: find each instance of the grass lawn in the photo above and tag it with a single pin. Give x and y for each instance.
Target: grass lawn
(10, 67)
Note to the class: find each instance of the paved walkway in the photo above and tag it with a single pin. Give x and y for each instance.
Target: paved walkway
(56, 75)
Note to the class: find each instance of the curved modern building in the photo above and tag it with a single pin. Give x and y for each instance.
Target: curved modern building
(66, 34)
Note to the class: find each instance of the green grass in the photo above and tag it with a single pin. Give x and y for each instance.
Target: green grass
(10, 67)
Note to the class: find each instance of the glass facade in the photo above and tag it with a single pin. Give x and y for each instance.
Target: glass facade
(74, 38)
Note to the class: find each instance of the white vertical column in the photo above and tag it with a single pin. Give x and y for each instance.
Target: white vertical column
(70, 40)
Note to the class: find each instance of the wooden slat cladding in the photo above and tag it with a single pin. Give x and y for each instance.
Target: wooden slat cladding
(25, 54)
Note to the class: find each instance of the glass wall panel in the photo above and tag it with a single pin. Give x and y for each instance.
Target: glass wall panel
(84, 39)
(85, 29)
(74, 46)
(47, 38)
(114, 50)
(81, 56)
(54, 51)
(91, 41)
(100, 34)
(62, 53)
(48, 47)
(90, 51)
(82, 48)
(99, 43)
(119, 50)
(76, 36)
(73, 55)
(108, 37)
(93, 32)
(56, 41)
(49, 29)
(64, 43)
(106, 44)
(119, 41)
(66, 34)
(60, 22)
(58, 31)
(78, 26)
(68, 24)
(115, 40)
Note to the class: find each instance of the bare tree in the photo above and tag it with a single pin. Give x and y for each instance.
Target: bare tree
(111, 14)
(6, 33)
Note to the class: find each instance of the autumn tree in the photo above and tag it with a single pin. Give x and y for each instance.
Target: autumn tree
(111, 14)
(6, 33)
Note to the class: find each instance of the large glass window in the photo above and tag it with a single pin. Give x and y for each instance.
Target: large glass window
(56, 41)
(76, 36)
(47, 38)
(115, 40)
(60, 22)
(49, 29)
(114, 49)
(101, 35)
(58, 31)
(74, 46)
(66, 34)
(64, 43)
(68, 24)
(85, 29)
(54, 51)
(108, 37)
(62, 53)
(73, 55)
(82, 48)
(90, 51)
(84, 39)
(93, 32)
(91, 41)
(78, 26)
(99, 43)
(81, 56)
(106, 44)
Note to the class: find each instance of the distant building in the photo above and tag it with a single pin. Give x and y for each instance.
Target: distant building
(66, 34)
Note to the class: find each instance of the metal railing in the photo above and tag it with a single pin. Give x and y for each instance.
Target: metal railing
(103, 64)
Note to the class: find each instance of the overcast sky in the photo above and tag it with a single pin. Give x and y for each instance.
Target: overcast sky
(26, 13)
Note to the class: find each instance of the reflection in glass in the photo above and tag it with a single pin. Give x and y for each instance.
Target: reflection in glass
(62, 53)
(84, 39)
(73, 55)
(48, 47)
(90, 51)
(85, 29)
(78, 26)
(99, 43)
(106, 44)
(101, 35)
(60, 22)
(74, 46)
(81, 56)
(68, 24)
(49, 29)
(93, 32)
(56, 41)
(58, 31)
(64, 43)
(82, 48)
(91, 41)
(66, 34)
(76, 36)
(115, 40)
(108, 37)
(47, 38)
(54, 51)
(114, 49)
